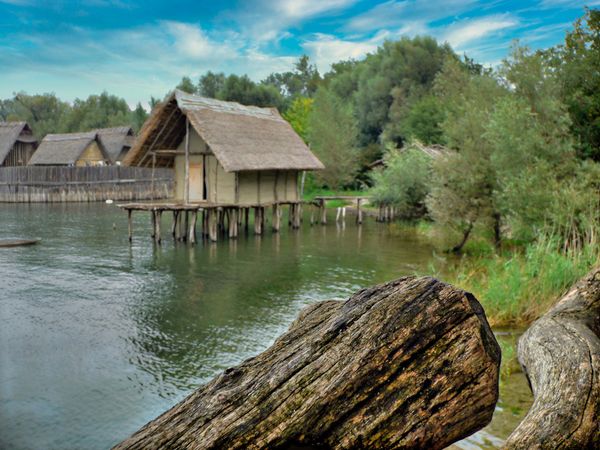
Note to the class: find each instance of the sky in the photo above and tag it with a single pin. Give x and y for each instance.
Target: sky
(142, 48)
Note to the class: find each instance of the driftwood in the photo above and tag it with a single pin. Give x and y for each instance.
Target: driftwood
(408, 364)
(17, 242)
(560, 353)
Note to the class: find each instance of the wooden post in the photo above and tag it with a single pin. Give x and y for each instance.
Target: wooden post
(129, 225)
(296, 216)
(153, 220)
(212, 224)
(158, 219)
(246, 217)
(184, 235)
(358, 211)
(186, 192)
(337, 213)
(233, 223)
(153, 166)
(174, 225)
(323, 213)
(276, 217)
(192, 229)
(257, 220)
(312, 215)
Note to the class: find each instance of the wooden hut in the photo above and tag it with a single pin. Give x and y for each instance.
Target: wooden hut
(17, 144)
(117, 141)
(223, 152)
(73, 149)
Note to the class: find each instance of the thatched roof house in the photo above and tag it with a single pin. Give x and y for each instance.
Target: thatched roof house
(17, 143)
(117, 141)
(233, 153)
(73, 149)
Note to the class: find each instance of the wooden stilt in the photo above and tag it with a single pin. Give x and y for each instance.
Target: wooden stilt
(192, 229)
(312, 215)
(212, 224)
(233, 223)
(153, 220)
(358, 212)
(157, 230)
(276, 217)
(323, 213)
(296, 216)
(174, 225)
(246, 217)
(338, 211)
(129, 225)
(258, 220)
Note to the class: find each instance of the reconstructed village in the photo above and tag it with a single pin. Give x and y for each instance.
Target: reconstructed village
(355, 225)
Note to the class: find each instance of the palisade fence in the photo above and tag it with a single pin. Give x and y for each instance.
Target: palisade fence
(83, 184)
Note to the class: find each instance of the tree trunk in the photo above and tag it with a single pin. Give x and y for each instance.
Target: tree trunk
(560, 353)
(466, 234)
(407, 364)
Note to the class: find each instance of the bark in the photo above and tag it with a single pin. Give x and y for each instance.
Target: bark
(560, 353)
(465, 238)
(408, 364)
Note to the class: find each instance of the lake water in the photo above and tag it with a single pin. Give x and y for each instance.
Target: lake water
(98, 336)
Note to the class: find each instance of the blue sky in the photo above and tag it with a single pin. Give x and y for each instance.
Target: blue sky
(136, 49)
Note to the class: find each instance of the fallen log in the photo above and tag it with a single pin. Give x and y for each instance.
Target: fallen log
(408, 364)
(560, 354)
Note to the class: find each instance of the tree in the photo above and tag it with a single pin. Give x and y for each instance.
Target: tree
(298, 115)
(302, 81)
(211, 84)
(186, 85)
(45, 113)
(577, 64)
(98, 111)
(332, 136)
(404, 182)
(139, 116)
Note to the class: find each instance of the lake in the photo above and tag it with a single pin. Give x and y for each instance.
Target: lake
(98, 336)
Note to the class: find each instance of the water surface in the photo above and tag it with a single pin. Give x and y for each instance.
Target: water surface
(98, 336)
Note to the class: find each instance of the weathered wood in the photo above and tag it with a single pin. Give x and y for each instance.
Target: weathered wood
(358, 211)
(192, 229)
(129, 225)
(323, 213)
(408, 364)
(276, 218)
(560, 353)
(157, 231)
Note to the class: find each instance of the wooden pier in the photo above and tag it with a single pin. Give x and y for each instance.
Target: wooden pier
(211, 220)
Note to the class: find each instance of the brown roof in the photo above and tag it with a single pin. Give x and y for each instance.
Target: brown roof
(241, 137)
(64, 149)
(10, 133)
(115, 139)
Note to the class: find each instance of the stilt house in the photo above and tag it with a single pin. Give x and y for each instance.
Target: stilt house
(73, 149)
(223, 152)
(117, 141)
(17, 144)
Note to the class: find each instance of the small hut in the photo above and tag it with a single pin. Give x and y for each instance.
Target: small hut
(223, 152)
(73, 149)
(117, 141)
(17, 143)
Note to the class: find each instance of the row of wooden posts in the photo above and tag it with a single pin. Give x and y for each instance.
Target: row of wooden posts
(227, 220)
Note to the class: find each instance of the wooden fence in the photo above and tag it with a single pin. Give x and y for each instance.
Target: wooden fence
(83, 184)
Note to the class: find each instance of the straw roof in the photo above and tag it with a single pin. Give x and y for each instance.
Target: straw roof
(64, 149)
(241, 137)
(11, 133)
(115, 140)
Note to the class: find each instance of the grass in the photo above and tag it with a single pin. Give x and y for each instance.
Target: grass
(518, 286)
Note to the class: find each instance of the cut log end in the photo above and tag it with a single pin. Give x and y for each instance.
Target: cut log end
(409, 364)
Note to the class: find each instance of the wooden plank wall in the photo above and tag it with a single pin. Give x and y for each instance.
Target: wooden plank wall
(83, 184)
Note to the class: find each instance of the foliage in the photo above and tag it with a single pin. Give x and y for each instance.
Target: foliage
(577, 64)
(517, 287)
(45, 113)
(422, 121)
(187, 85)
(332, 136)
(302, 81)
(298, 115)
(404, 183)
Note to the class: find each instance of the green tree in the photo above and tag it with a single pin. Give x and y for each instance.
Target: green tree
(97, 111)
(138, 117)
(404, 182)
(211, 84)
(332, 136)
(577, 64)
(298, 115)
(186, 85)
(45, 113)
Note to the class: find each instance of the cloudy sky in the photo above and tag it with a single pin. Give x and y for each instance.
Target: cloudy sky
(140, 48)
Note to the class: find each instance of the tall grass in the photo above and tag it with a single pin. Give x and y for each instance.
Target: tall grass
(517, 287)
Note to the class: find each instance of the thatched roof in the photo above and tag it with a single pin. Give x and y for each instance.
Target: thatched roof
(241, 137)
(115, 140)
(11, 133)
(64, 149)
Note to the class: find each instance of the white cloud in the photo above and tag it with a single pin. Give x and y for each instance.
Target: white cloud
(326, 49)
(462, 32)
(302, 9)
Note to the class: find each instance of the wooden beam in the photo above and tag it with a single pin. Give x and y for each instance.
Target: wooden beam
(186, 193)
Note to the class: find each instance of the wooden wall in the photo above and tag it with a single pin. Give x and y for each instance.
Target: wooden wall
(83, 184)
(19, 155)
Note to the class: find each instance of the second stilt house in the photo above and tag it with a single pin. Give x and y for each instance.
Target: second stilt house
(223, 152)
(73, 149)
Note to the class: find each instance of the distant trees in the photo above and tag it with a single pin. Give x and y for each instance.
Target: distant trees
(333, 136)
